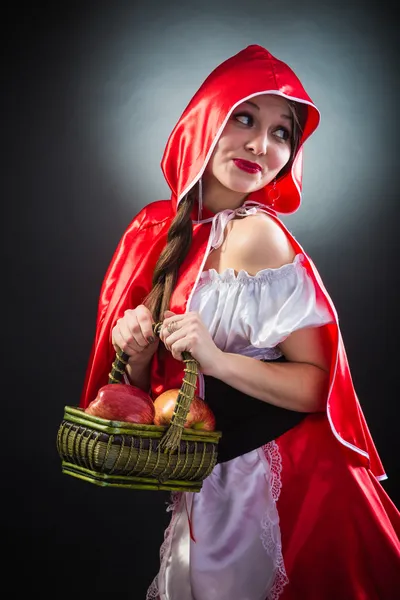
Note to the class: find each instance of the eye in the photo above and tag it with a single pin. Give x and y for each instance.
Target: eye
(283, 133)
(244, 118)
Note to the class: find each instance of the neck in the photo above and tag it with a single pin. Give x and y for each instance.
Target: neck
(216, 197)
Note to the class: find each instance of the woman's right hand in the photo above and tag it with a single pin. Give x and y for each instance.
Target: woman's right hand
(133, 334)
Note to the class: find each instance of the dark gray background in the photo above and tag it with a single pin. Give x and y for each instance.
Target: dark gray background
(90, 93)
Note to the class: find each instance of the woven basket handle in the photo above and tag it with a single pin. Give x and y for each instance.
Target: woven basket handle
(121, 360)
(170, 441)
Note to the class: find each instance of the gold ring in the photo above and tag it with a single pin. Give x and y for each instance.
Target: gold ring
(172, 327)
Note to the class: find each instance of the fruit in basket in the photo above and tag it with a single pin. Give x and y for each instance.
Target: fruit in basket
(122, 402)
(200, 415)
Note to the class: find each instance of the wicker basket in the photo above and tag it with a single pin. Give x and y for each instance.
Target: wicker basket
(130, 455)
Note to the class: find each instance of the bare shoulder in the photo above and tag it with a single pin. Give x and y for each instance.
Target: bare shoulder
(267, 239)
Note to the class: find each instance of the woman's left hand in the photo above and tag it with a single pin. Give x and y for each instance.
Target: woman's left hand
(191, 335)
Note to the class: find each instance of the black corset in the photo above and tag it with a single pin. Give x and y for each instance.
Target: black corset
(246, 422)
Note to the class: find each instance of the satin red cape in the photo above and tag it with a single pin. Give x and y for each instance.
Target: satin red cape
(127, 282)
(339, 528)
(331, 505)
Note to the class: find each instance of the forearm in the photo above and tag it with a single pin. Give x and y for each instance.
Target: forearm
(139, 374)
(293, 385)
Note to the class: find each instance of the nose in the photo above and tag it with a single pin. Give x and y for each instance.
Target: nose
(258, 144)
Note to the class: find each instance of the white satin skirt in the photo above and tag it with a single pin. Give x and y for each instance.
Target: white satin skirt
(236, 553)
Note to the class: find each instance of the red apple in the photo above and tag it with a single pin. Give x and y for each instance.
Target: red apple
(122, 402)
(200, 415)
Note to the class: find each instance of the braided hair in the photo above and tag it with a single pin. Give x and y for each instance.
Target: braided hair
(165, 275)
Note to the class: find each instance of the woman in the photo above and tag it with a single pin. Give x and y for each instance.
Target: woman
(302, 515)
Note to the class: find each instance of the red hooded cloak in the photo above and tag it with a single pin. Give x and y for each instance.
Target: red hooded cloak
(323, 453)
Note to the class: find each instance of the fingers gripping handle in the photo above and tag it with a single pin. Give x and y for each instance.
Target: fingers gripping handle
(121, 360)
(170, 441)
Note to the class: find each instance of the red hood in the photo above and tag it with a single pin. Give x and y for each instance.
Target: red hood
(251, 72)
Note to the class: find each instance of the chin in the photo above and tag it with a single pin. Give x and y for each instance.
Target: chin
(241, 186)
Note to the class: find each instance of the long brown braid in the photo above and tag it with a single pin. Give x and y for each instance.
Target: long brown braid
(166, 270)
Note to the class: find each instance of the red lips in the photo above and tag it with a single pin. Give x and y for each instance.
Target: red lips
(245, 165)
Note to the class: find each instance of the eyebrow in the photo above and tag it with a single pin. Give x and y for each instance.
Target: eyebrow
(258, 108)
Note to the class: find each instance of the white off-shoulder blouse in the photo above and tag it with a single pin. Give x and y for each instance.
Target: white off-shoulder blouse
(252, 314)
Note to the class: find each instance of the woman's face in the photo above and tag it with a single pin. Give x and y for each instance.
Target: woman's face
(254, 146)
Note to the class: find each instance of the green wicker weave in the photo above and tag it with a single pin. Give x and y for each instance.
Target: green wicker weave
(136, 456)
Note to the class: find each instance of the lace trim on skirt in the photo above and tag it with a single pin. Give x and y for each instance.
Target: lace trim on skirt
(153, 591)
(270, 535)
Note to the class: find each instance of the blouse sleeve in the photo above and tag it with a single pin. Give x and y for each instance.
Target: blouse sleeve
(286, 304)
